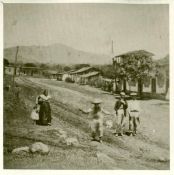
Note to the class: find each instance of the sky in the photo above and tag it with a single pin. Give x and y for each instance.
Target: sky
(89, 27)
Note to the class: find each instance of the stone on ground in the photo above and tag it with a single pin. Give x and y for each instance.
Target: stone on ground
(21, 150)
(71, 141)
(39, 147)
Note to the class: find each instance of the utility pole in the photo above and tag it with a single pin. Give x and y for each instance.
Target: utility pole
(16, 57)
(112, 48)
(114, 64)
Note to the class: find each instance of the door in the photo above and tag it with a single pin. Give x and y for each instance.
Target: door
(153, 85)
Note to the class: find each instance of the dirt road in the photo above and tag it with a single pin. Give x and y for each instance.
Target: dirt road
(148, 150)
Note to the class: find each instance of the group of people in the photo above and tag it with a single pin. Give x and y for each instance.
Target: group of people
(42, 110)
(131, 111)
(123, 112)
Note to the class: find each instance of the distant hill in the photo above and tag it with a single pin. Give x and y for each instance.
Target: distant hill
(163, 61)
(54, 54)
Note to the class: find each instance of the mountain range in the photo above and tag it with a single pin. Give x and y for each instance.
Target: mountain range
(54, 54)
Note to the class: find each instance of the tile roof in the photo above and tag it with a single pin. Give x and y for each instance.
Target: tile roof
(90, 74)
(82, 70)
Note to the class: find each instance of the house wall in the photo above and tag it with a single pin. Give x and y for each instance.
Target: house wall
(131, 87)
(32, 72)
(147, 85)
(94, 79)
(161, 87)
(10, 70)
(53, 76)
(77, 77)
(148, 88)
(65, 76)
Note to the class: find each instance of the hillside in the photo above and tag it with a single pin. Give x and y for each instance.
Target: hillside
(56, 53)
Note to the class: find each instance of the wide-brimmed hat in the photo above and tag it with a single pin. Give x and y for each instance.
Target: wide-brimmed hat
(133, 94)
(96, 101)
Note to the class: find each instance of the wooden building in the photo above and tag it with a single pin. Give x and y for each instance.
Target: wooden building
(51, 74)
(89, 77)
(155, 84)
(31, 71)
(9, 70)
(77, 75)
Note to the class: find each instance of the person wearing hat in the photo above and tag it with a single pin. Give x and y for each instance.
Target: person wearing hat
(120, 107)
(134, 114)
(96, 125)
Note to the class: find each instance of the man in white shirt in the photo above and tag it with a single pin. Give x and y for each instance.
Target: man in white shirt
(121, 110)
(134, 114)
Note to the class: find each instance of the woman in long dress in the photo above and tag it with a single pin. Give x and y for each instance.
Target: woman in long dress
(44, 109)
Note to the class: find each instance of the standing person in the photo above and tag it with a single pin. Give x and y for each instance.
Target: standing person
(97, 120)
(44, 108)
(121, 106)
(134, 115)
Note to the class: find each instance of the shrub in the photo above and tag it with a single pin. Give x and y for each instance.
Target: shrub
(69, 80)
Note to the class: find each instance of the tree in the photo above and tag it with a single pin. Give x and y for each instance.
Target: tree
(58, 67)
(79, 66)
(6, 62)
(30, 65)
(44, 66)
(136, 65)
(107, 71)
(66, 68)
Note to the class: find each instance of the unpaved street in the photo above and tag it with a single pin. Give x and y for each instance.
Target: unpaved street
(148, 150)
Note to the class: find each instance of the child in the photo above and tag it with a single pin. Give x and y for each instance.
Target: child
(97, 120)
(35, 114)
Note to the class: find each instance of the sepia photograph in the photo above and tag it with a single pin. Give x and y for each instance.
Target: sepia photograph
(86, 86)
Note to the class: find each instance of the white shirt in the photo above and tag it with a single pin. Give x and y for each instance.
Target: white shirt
(43, 98)
(134, 105)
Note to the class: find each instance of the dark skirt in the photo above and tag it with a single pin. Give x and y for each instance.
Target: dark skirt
(44, 114)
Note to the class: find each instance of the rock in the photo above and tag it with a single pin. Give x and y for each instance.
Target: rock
(22, 150)
(39, 147)
(71, 141)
